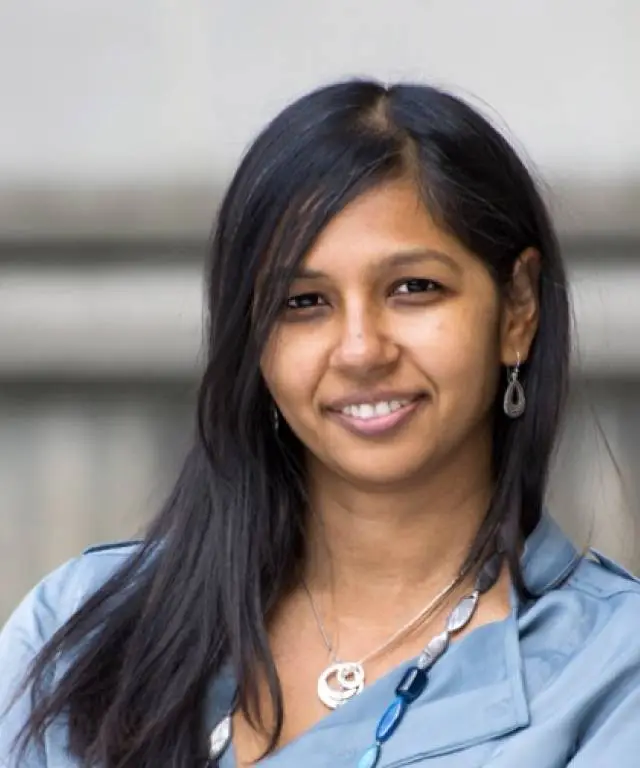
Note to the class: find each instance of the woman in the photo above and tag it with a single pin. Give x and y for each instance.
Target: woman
(354, 568)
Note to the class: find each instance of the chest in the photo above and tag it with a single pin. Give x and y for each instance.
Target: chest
(302, 669)
(444, 728)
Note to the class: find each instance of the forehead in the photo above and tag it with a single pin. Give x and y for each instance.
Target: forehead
(388, 219)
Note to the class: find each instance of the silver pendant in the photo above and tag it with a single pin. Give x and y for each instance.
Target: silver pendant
(340, 682)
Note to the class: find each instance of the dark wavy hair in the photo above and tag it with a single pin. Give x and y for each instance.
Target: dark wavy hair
(228, 544)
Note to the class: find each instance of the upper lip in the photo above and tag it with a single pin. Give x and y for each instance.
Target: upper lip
(382, 396)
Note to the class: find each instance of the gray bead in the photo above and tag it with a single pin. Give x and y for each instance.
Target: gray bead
(220, 738)
(461, 615)
(434, 649)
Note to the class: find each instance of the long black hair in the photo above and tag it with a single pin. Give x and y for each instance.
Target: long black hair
(229, 542)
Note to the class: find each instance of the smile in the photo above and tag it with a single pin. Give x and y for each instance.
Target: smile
(366, 411)
(376, 418)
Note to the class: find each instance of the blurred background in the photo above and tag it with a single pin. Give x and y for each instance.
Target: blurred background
(120, 125)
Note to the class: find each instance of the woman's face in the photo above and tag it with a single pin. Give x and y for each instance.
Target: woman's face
(386, 358)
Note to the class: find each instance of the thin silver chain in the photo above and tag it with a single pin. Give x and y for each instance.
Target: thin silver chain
(316, 613)
(423, 615)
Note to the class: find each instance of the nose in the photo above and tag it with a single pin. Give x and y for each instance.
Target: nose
(364, 344)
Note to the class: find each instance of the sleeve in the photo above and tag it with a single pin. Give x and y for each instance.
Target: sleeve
(612, 737)
(33, 622)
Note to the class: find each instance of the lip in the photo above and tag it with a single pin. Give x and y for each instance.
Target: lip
(378, 425)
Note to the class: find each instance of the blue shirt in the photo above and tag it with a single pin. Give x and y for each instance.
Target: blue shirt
(555, 684)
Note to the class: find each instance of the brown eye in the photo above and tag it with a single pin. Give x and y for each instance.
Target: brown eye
(417, 285)
(305, 301)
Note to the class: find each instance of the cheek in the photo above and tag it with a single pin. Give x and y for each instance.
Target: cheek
(458, 349)
(292, 366)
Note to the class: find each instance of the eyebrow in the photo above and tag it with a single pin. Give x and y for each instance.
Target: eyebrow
(399, 259)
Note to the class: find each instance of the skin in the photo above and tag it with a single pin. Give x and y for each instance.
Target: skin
(386, 301)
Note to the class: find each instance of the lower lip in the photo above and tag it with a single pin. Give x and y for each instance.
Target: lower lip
(378, 425)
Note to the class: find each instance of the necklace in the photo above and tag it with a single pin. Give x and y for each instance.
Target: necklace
(342, 680)
(413, 682)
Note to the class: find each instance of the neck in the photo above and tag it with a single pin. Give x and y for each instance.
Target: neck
(367, 542)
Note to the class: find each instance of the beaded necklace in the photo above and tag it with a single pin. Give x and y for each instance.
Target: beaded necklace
(415, 679)
(413, 682)
(342, 680)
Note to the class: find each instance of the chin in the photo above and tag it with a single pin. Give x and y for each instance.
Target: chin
(377, 473)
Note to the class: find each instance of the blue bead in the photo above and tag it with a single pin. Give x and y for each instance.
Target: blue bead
(413, 682)
(370, 757)
(391, 719)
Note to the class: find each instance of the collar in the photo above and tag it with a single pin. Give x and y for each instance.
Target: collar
(549, 557)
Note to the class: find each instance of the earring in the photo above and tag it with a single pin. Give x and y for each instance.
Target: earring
(514, 398)
(275, 417)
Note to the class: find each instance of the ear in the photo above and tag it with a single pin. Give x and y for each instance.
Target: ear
(520, 312)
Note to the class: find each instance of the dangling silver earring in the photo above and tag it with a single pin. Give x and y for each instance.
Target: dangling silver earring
(275, 417)
(514, 398)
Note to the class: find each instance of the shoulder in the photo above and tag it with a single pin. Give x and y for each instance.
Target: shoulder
(601, 679)
(54, 599)
(597, 605)
(601, 594)
(609, 597)
(45, 609)
(589, 623)
(604, 579)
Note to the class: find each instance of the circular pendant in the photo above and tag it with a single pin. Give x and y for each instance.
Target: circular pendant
(340, 682)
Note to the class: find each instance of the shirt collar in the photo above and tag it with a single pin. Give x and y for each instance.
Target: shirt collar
(549, 557)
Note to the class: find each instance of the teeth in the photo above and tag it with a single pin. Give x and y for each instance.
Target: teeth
(366, 411)
(373, 410)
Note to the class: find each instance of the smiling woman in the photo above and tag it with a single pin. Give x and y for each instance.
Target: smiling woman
(388, 322)
(359, 525)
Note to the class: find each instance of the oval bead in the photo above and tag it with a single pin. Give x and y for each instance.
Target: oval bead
(370, 757)
(220, 738)
(391, 719)
(413, 683)
(461, 615)
(434, 650)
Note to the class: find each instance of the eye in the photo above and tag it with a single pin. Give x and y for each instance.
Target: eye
(305, 301)
(416, 285)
